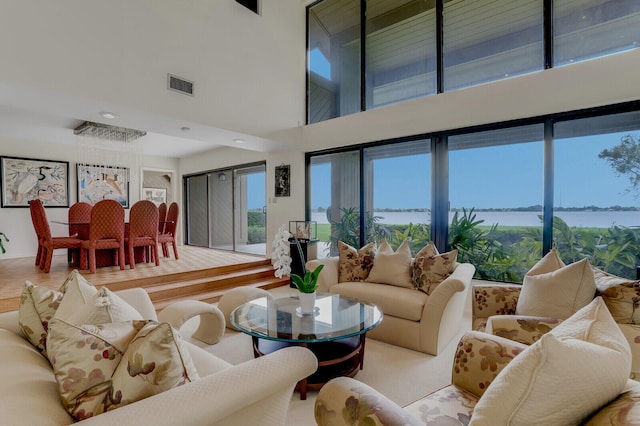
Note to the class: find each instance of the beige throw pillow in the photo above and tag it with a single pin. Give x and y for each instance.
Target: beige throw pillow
(103, 307)
(430, 268)
(355, 265)
(391, 267)
(567, 375)
(556, 293)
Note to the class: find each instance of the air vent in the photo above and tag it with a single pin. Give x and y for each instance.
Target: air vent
(179, 84)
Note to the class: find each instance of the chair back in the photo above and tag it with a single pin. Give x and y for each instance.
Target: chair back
(172, 219)
(162, 216)
(79, 213)
(143, 220)
(40, 221)
(107, 221)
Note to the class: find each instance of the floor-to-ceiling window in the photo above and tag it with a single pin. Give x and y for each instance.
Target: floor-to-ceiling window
(495, 198)
(226, 209)
(596, 205)
(512, 192)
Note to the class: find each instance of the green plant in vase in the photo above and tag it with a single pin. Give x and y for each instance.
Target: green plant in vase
(2, 235)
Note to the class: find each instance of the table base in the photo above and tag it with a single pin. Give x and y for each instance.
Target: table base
(336, 358)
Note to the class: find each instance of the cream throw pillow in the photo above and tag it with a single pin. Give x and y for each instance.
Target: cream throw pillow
(355, 265)
(391, 267)
(77, 293)
(567, 375)
(556, 293)
(103, 307)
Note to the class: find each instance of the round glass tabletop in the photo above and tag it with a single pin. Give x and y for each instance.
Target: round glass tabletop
(335, 317)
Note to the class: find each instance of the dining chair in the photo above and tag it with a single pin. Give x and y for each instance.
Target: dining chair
(105, 232)
(37, 227)
(79, 217)
(162, 217)
(143, 230)
(46, 241)
(169, 234)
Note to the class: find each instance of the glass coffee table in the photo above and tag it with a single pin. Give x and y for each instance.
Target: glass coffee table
(335, 333)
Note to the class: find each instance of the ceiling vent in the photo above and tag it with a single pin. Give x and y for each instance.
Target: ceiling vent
(179, 84)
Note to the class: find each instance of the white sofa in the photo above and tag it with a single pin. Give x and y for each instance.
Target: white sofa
(412, 319)
(254, 392)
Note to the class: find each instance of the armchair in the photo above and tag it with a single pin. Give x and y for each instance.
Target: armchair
(479, 359)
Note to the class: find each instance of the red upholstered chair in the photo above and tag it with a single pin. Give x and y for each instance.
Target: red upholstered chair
(46, 241)
(37, 227)
(106, 232)
(143, 230)
(162, 216)
(78, 213)
(169, 234)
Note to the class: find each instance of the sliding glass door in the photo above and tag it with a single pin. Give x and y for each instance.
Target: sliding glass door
(226, 209)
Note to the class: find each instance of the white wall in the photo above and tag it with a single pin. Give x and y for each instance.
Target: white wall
(16, 222)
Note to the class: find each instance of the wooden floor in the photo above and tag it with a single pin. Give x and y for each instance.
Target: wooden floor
(14, 272)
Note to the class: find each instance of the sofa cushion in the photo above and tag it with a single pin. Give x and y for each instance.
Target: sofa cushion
(391, 267)
(394, 301)
(355, 265)
(29, 392)
(588, 346)
(451, 405)
(103, 307)
(105, 366)
(620, 294)
(430, 268)
(77, 292)
(557, 293)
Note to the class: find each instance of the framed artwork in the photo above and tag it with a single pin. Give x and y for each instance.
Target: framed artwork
(157, 195)
(97, 183)
(26, 179)
(283, 176)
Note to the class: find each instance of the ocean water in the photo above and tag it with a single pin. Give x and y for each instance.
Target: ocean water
(598, 219)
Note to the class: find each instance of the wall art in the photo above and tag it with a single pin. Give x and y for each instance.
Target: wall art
(97, 183)
(26, 179)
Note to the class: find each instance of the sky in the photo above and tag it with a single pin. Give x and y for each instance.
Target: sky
(505, 176)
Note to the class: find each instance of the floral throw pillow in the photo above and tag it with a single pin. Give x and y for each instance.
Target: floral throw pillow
(38, 305)
(355, 265)
(106, 366)
(430, 267)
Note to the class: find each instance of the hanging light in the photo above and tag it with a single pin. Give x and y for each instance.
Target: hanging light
(107, 146)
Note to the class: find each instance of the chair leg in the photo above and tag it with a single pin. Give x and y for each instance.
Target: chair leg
(92, 261)
(175, 249)
(121, 256)
(49, 258)
(165, 249)
(132, 260)
(39, 254)
(154, 251)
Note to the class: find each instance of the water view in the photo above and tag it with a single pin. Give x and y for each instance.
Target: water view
(590, 219)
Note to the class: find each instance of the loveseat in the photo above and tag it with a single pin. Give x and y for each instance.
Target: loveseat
(254, 392)
(498, 381)
(412, 318)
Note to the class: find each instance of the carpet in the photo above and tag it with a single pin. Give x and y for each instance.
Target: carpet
(401, 374)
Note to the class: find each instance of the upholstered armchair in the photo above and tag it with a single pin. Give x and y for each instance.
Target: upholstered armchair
(494, 311)
(499, 381)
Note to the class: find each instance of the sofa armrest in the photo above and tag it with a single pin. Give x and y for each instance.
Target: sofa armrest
(329, 275)
(345, 402)
(212, 322)
(254, 392)
(521, 328)
(493, 299)
(479, 358)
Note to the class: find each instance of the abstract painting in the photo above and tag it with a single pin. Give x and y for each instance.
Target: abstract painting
(26, 179)
(97, 183)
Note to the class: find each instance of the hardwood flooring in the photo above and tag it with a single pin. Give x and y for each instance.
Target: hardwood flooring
(200, 273)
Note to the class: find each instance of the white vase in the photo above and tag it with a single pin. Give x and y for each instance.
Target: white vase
(307, 302)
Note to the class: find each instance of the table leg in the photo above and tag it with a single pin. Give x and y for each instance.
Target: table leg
(361, 354)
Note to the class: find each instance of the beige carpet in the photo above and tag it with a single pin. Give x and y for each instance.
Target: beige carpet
(403, 375)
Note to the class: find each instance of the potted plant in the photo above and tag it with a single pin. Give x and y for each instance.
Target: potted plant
(2, 235)
(306, 285)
